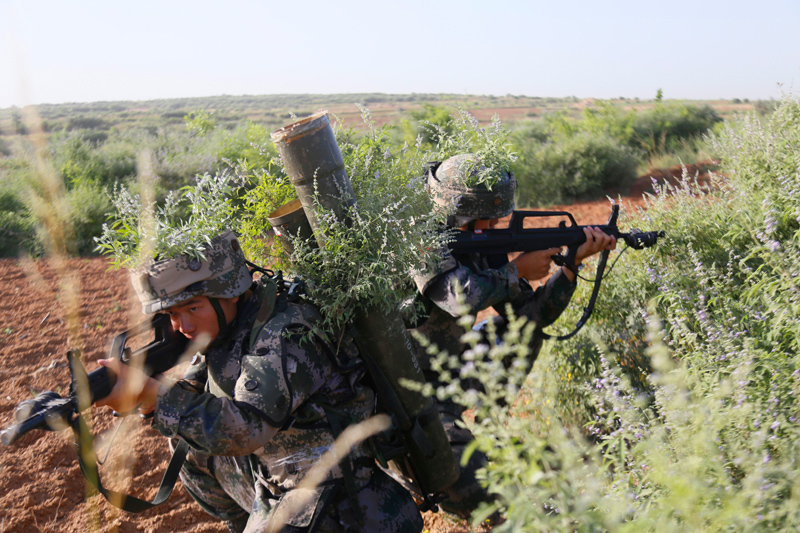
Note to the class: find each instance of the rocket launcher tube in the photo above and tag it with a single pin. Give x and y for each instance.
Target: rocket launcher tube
(315, 166)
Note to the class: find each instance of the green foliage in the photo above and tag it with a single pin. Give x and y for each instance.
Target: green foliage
(564, 159)
(89, 204)
(82, 162)
(87, 123)
(427, 124)
(200, 122)
(141, 231)
(662, 128)
(268, 189)
(582, 166)
(392, 229)
(493, 151)
(249, 145)
(5, 149)
(17, 226)
(605, 118)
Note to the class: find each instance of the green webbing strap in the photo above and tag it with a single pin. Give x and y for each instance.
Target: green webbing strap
(126, 502)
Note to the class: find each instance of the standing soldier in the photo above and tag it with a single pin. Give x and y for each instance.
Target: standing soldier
(261, 405)
(485, 281)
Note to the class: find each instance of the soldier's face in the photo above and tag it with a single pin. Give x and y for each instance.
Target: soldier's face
(486, 223)
(196, 317)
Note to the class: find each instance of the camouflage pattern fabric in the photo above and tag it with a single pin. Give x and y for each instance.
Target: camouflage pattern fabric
(222, 274)
(256, 410)
(464, 496)
(447, 185)
(482, 287)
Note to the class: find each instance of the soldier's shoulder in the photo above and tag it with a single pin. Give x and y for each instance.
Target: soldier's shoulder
(430, 274)
(290, 319)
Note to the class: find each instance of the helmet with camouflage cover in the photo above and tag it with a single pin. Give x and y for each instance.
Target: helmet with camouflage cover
(446, 183)
(168, 282)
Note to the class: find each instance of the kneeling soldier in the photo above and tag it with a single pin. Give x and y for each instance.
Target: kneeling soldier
(261, 405)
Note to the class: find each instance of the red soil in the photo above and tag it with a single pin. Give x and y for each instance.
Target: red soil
(41, 487)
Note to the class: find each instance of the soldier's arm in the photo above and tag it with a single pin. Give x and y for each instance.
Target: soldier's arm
(481, 290)
(263, 403)
(546, 303)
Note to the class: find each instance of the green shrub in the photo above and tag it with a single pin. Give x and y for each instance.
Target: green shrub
(200, 122)
(89, 207)
(5, 148)
(581, 166)
(427, 124)
(79, 160)
(661, 129)
(17, 227)
(563, 159)
(87, 123)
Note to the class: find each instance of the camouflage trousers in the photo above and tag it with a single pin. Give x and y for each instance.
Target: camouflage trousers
(463, 497)
(228, 488)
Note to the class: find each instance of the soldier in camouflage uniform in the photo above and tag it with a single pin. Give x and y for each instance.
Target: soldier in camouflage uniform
(485, 281)
(261, 404)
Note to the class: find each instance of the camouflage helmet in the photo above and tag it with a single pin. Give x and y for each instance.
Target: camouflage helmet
(168, 282)
(446, 185)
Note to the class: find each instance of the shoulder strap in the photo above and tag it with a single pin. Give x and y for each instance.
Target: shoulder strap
(88, 462)
(268, 291)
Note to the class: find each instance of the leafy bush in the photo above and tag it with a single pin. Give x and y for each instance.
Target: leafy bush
(89, 204)
(17, 227)
(140, 230)
(426, 125)
(80, 161)
(5, 149)
(582, 166)
(662, 129)
(490, 145)
(200, 122)
(565, 159)
(393, 228)
(87, 123)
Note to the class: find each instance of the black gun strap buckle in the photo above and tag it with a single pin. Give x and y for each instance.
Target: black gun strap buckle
(562, 261)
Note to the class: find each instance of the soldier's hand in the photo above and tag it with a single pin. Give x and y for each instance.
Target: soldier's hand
(535, 265)
(133, 389)
(596, 241)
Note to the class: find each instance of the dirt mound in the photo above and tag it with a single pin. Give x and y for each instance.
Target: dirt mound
(41, 487)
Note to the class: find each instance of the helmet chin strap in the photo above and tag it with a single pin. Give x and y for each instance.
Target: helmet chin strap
(225, 327)
(221, 320)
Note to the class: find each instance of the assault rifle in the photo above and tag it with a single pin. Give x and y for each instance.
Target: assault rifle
(498, 242)
(49, 411)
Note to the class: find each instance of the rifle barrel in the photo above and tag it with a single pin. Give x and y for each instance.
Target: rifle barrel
(506, 240)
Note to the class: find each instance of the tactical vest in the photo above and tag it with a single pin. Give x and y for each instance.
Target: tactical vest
(265, 385)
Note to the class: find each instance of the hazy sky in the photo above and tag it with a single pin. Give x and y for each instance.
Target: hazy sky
(81, 51)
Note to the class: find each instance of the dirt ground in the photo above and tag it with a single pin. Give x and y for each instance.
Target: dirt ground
(41, 486)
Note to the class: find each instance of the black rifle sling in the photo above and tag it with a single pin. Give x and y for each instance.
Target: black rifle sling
(126, 502)
(587, 311)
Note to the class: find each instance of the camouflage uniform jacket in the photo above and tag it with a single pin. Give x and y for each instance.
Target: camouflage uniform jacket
(268, 388)
(485, 281)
